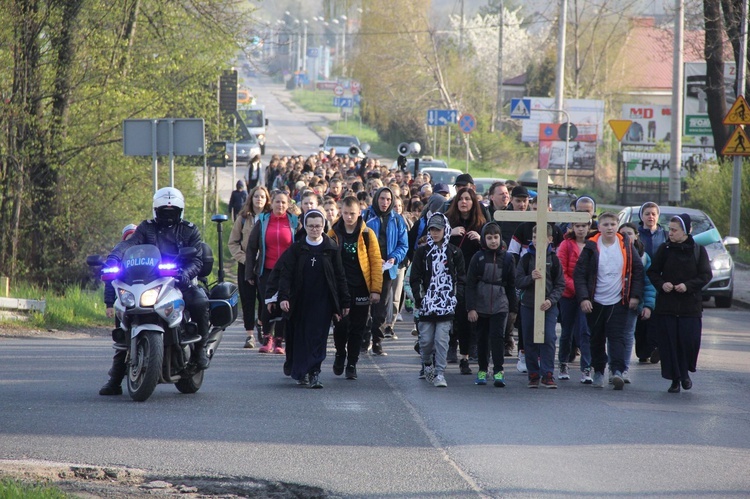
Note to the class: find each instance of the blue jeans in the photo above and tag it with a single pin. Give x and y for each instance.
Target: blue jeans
(573, 323)
(630, 321)
(536, 351)
(607, 325)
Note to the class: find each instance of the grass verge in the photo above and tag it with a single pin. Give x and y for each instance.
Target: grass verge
(14, 489)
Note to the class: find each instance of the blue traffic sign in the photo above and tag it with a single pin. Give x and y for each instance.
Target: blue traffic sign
(441, 117)
(343, 102)
(520, 109)
(312, 52)
(467, 123)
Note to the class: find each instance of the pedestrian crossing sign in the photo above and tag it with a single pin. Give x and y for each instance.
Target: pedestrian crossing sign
(739, 114)
(738, 144)
(520, 109)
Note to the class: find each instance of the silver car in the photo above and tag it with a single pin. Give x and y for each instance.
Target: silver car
(721, 286)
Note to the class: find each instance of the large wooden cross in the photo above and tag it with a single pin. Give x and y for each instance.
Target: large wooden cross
(541, 217)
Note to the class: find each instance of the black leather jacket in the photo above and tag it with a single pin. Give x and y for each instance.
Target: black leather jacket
(169, 240)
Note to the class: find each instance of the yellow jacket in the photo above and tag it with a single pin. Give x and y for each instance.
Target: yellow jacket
(368, 254)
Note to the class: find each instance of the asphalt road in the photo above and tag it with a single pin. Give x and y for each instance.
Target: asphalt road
(389, 434)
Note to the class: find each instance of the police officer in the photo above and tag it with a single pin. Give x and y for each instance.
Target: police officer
(169, 232)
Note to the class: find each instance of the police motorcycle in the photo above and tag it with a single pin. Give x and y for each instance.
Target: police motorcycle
(155, 328)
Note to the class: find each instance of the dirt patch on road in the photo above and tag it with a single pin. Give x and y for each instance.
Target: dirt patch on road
(116, 482)
(20, 330)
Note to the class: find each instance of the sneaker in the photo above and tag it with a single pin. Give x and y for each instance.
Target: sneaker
(429, 374)
(351, 371)
(388, 332)
(452, 356)
(338, 364)
(533, 380)
(598, 381)
(617, 380)
(521, 366)
(315, 381)
(626, 377)
(611, 374)
(305, 380)
(499, 379)
(564, 374)
(464, 366)
(481, 378)
(267, 345)
(586, 376)
(377, 349)
(421, 373)
(249, 342)
(399, 318)
(440, 381)
(549, 381)
(414, 332)
(278, 349)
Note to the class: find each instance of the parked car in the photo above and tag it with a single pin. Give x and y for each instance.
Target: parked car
(341, 143)
(443, 175)
(721, 286)
(424, 162)
(483, 184)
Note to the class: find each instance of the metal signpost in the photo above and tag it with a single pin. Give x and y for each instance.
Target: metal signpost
(164, 137)
(467, 123)
(441, 117)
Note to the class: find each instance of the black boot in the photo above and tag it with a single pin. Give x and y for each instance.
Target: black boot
(111, 387)
(116, 374)
(200, 356)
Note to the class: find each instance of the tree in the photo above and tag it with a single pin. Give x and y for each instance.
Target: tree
(71, 73)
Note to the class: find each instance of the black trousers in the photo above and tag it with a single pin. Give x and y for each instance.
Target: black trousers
(349, 331)
(378, 312)
(249, 297)
(491, 338)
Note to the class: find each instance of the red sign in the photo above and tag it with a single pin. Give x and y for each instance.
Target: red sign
(338, 90)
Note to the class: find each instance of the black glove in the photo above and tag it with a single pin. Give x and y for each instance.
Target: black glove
(184, 280)
(111, 262)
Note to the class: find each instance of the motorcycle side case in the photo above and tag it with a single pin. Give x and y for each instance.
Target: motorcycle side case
(224, 299)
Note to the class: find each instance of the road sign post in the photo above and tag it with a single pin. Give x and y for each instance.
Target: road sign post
(467, 123)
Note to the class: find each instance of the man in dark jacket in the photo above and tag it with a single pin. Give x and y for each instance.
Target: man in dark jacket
(169, 232)
(608, 280)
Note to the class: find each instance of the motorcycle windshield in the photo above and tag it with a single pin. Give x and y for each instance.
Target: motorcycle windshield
(141, 263)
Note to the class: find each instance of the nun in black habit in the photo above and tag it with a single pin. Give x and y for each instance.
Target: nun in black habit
(312, 291)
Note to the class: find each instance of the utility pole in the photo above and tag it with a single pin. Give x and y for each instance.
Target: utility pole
(734, 211)
(675, 157)
(560, 75)
(461, 31)
(500, 22)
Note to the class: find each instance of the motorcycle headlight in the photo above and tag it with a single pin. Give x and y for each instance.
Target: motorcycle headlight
(126, 298)
(722, 262)
(148, 298)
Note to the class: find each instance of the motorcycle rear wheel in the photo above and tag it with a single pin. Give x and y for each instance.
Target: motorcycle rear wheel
(191, 384)
(145, 368)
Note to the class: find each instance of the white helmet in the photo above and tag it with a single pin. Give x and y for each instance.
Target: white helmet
(168, 205)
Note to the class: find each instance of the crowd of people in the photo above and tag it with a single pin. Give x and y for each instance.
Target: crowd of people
(387, 240)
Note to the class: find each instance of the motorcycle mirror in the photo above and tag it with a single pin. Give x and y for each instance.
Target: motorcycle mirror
(94, 261)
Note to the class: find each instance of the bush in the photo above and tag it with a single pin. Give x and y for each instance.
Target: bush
(710, 189)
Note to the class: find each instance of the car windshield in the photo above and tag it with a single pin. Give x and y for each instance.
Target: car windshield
(442, 177)
(253, 118)
(699, 221)
(341, 141)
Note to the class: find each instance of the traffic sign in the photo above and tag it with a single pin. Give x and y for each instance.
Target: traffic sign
(567, 131)
(312, 52)
(355, 87)
(738, 144)
(520, 109)
(441, 117)
(467, 123)
(338, 90)
(343, 101)
(739, 114)
(228, 91)
(620, 128)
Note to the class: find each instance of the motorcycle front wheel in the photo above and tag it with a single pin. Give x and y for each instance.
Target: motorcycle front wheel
(145, 366)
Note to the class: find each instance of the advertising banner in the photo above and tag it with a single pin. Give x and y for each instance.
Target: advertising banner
(651, 123)
(696, 126)
(580, 111)
(653, 167)
(581, 151)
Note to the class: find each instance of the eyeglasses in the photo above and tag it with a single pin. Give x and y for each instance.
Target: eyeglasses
(314, 227)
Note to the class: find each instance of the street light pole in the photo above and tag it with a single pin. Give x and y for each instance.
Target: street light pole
(343, 45)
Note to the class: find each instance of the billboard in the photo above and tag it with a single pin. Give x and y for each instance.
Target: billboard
(654, 167)
(580, 111)
(696, 126)
(581, 150)
(651, 123)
